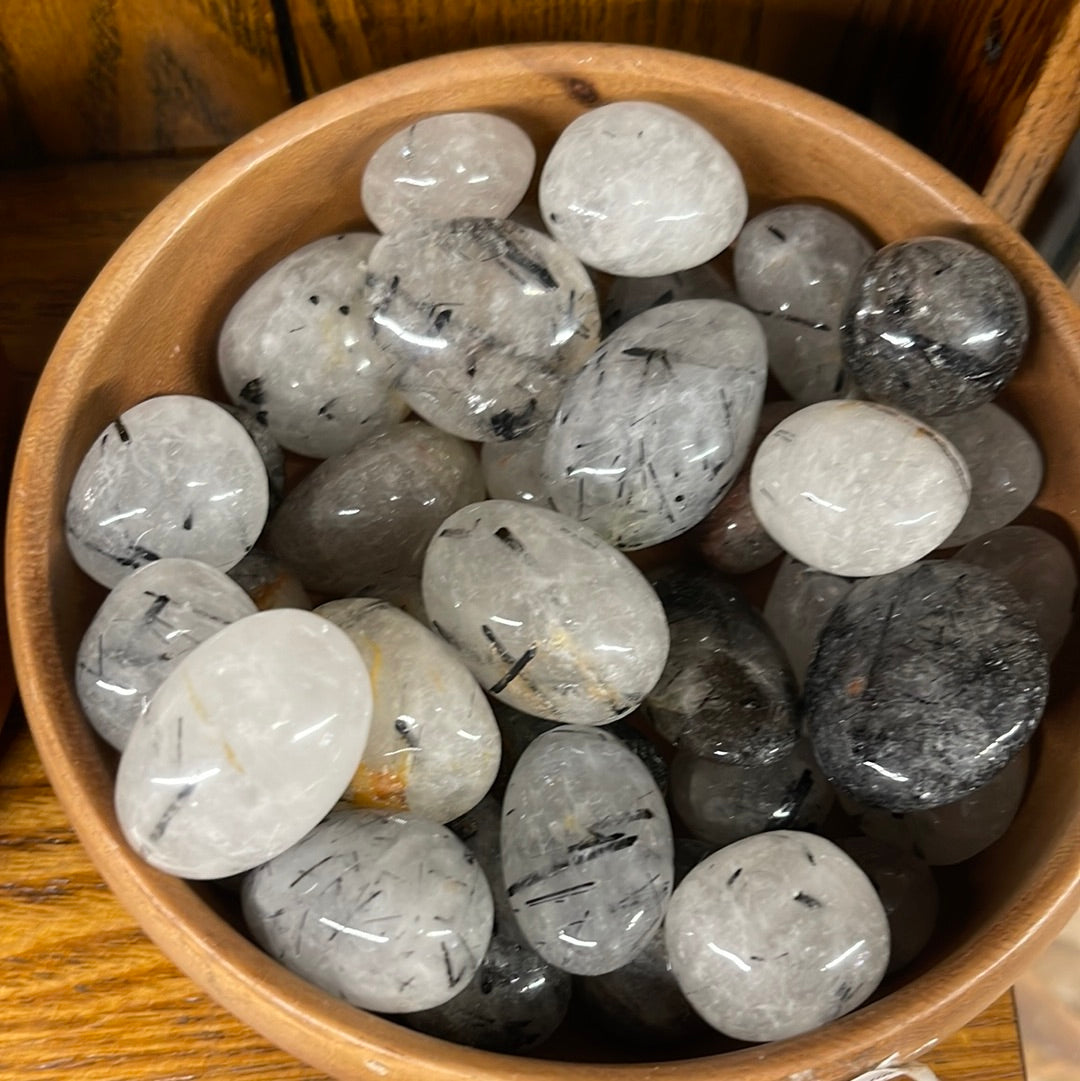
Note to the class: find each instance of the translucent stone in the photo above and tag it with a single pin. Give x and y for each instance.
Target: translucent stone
(908, 894)
(389, 912)
(269, 449)
(297, 350)
(549, 618)
(627, 297)
(776, 935)
(147, 490)
(934, 325)
(488, 319)
(434, 746)
(250, 740)
(653, 430)
(721, 803)
(1039, 567)
(956, 831)
(857, 489)
(513, 470)
(268, 582)
(795, 266)
(451, 165)
(360, 523)
(152, 620)
(587, 850)
(634, 188)
(925, 683)
(1005, 464)
(726, 691)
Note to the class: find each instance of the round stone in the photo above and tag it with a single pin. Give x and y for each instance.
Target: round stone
(637, 189)
(776, 935)
(434, 746)
(297, 350)
(513, 470)
(448, 166)
(389, 912)
(925, 683)
(268, 582)
(857, 489)
(359, 523)
(652, 432)
(246, 745)
(934, 325)
(795, 266)
(147, 490)
(587, 850)
(549, 618)
(152, 620)
(487, 318)
(628, 297)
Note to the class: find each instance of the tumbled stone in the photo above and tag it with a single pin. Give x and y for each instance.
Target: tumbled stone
(297, 350)
(652, 431)
(434, 745)
(145, 490)
(389, 912)
(549, 618)
(775, 935)
(637, 189)
(269, 449)
(586, 850)
(268, 582)
(246, 745)
(726, 690)
(488, 320)
(934, 325)
(627, 297)
(819, 486)
(359, 523)
(152, 620)
(795, 266)
(924, 684)
(512, 470)
(451, 165)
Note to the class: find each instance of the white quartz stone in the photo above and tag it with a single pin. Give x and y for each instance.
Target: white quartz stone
(152, 620)
(547, 616)
(434, 745)
(146, 489)
(297, 350)
(637, 189)
(451, 165)
(855, 488)
(627, 297)
(513, 470)
(245, 746)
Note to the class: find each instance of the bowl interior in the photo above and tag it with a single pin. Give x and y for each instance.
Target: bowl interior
(149, 325)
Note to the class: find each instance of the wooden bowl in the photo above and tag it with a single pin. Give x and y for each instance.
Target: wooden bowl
(148, 326)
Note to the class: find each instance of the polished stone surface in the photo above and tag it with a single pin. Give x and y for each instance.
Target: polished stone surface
(268, 582)
(627, 297)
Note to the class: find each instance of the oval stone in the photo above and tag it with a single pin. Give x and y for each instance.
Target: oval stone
(820, 486)
(245, 746)
(549, 618)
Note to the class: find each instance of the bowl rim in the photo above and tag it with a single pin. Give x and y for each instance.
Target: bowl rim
(303, 1020)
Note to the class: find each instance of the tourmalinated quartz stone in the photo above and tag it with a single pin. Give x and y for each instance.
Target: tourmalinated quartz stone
(638, 189)
(434, 745)
(451, 165)
(269, 449)
(268, 582)
(925, 683)
(146, 490)
(934, 325)
(956, 831)
(627, 297)
(795, 266)
(389, 912)
(1005, 464)
(586, 849)
(653, 430)
(297, 350)
(245, 746)
(721, 803)
(547, 616)
(488, 320)
(908, 894)
(726, 691)
(818, 486)
(146, 625)
(1039, 567)
(513, 470)
(360, 522)
(776, 935)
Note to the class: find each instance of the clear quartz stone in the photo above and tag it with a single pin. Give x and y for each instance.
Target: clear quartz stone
(628, 297)
(513, 470)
